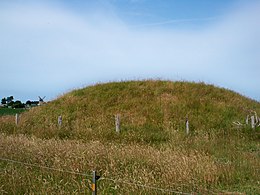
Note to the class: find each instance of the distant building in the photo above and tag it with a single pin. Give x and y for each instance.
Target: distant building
(41, 100)
(29, 104)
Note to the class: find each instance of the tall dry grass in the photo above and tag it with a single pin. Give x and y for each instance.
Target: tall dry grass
(167, 167)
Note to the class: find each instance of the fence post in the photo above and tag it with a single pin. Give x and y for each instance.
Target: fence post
(187, 126)
(117, 121)
(253, 122)
(256, 118)
(247, 119)
(16, 119)
(94, 184)
(60, 121)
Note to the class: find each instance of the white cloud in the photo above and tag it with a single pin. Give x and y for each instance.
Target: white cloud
(54, 49)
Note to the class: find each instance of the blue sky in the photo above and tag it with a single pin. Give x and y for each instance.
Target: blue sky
(48, 48)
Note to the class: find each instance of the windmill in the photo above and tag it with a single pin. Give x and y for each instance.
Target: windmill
(41, 102)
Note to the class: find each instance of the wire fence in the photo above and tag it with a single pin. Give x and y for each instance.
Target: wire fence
(135, 183)
(132, 183)
(44, 167)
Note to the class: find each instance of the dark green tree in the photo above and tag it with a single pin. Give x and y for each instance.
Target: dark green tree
(28, 102)
(18, 104)
(3, 101)
(9, 99)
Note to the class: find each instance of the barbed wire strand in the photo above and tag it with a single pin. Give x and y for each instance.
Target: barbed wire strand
(44, 167)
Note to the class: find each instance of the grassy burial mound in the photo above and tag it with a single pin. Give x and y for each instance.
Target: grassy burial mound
(152, 148)
(149, 111)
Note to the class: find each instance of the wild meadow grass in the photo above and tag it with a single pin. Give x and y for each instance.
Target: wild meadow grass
(184, 164)
(152, 148)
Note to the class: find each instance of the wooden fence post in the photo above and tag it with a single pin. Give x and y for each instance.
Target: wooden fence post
(247, 119)
(117, 122)
(59, 121)
(187, 126)
(253, 122)
(16, 119)
(256, 118)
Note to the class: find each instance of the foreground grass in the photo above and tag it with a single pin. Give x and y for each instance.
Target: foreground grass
(188, 165)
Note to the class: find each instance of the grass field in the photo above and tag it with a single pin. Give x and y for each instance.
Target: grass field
(152, 148)
(193, 164)
(10, 111)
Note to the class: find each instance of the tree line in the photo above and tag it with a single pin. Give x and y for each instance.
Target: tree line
(9, 102)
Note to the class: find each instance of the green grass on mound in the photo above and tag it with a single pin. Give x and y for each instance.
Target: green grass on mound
(150, 111)
(152, 147)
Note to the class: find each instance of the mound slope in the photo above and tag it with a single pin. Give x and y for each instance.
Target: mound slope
(149, 111)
